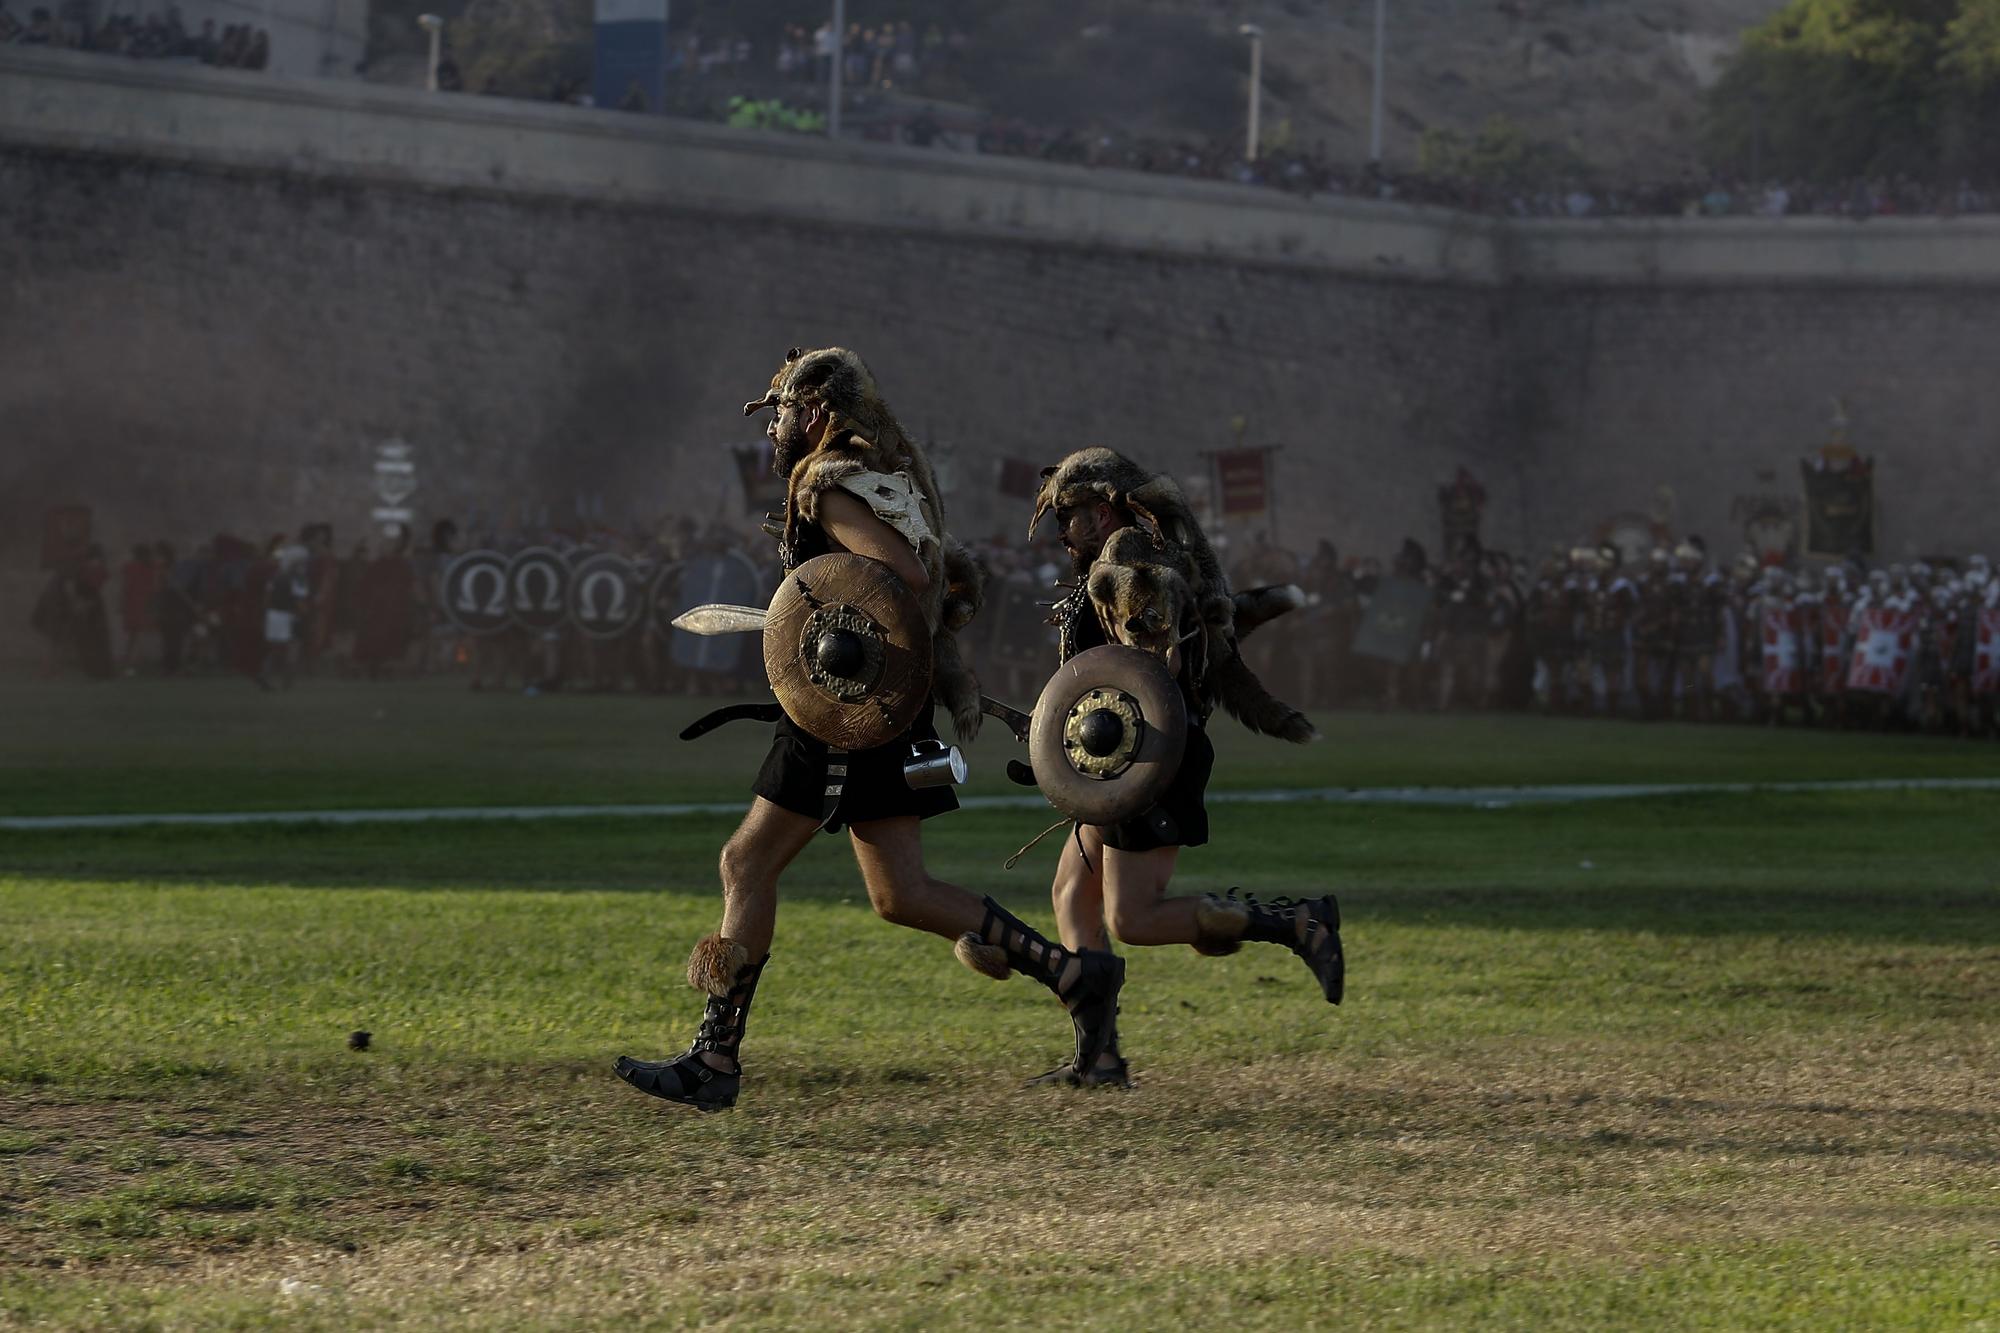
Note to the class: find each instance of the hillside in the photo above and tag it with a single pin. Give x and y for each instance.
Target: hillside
(1615, 81)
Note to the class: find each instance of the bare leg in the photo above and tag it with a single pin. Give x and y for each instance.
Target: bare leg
(1135, 887)
(890, 853)
(1135, 892)
(1078, 891)
(769, 839)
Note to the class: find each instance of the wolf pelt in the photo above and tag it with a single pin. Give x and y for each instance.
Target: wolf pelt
(1159, 581)
(863, 435)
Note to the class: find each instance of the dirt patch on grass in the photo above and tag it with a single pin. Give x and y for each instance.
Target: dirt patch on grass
(561, 1175)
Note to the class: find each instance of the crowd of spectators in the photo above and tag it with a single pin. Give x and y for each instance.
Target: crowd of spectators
(1314, 173)
(892, 55)
(895, 57)
(157, 36)
(1590, 631)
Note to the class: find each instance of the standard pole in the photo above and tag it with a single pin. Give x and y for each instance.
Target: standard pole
(433, 25)
(1256, 90)
(1375, 100)
(839, 69)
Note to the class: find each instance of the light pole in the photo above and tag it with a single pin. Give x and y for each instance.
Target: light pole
(433, 25)
(839, 71)
(1256, 36)
(1375, 97)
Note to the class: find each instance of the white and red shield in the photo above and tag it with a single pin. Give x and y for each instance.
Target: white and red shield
(1885, 641)
(1832, 628)
(1986, 653)
(1784, 654)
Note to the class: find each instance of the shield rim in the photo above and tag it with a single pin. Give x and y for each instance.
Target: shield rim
(506, 589)
(643, 598)
(781, 647)
(1160, 699)
(520, 557)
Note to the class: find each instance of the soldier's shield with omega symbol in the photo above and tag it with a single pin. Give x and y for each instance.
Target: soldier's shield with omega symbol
(606, 596)
(848, 651)
(474, 591)
(1108, 734)
(538, 589)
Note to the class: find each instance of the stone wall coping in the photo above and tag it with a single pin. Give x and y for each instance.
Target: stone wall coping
(83, 102)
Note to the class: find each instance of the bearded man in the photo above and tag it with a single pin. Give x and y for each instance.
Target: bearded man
(1147, 577)
(856, 482)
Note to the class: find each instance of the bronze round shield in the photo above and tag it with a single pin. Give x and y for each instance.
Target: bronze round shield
(1108, 734)
(847, 651)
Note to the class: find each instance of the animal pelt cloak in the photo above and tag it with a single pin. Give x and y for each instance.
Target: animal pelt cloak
(1161, 580)
(864, 450)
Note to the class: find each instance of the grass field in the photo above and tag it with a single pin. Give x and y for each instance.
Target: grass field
(1708, 1062)
(153, 746)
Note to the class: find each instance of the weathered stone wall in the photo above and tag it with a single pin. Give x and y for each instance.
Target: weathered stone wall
(219, 294)
(220, 347)
(1719, 391)
(210, 325)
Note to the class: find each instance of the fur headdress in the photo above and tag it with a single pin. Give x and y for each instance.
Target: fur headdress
(863, 436)
(1160, 581)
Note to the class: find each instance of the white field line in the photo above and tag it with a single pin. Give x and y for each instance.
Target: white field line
(1486, 798)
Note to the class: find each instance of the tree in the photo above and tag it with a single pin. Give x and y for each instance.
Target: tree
(524, 47)
(1829, 89)
(1501, 155)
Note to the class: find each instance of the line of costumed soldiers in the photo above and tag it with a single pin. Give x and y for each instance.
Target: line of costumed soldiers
(544, 594)
(1676, 635)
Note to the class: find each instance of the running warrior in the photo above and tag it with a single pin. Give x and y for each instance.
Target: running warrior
(1146, 577)
(856, 483)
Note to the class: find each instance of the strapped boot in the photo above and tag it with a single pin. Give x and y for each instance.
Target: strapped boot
(1085, 980)
(1094, 1075)
(720, 967)
(1309, 927)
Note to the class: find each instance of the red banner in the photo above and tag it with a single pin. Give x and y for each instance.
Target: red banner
(1020, 479)
(1986, 653)
(1832, 628)
(1784, 653)
(1885, 641)
(1243, 476)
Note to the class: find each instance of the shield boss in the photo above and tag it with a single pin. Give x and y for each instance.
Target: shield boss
(1107, 735)
(847, 651)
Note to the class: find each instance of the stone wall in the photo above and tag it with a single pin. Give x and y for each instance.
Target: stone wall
(1718, 391)
(235, 345)
(212, 322)
(220, 293)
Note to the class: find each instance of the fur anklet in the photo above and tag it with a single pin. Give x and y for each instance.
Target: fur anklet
(715, 963)
(1219, 924)
(988, 960)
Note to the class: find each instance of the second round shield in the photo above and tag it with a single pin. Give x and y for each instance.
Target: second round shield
(1108, 734)
(538, 588)
(473, 592)
(848, 651)
(605, 595)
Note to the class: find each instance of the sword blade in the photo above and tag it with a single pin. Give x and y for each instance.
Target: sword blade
(720, 618)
